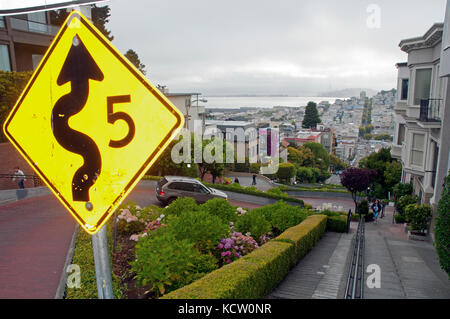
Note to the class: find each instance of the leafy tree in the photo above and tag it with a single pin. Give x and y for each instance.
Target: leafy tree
(337, 163)
(311, 118)
(357, 180)
(392, 174)
(400, 190)
(442, 228)
(302, 156)
(100, 16)
(379, 161)
(321, 156)
(134, 58)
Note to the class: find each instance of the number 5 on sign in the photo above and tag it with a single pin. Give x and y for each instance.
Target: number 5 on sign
(97, 123)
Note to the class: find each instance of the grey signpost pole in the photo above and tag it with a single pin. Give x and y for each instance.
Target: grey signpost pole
(102, 264)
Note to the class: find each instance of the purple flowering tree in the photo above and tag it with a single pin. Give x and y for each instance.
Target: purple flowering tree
(357, 181)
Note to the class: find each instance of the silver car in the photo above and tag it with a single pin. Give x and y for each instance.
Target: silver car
(170, 188)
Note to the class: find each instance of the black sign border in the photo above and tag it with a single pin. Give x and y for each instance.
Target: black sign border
(127, 64)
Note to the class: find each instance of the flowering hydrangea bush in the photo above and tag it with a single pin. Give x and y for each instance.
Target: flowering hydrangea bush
(127, 223)
(235, 246)
(150, 227)
(136, 221)
(240, 211)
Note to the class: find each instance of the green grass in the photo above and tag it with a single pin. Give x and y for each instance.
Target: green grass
(84, 258)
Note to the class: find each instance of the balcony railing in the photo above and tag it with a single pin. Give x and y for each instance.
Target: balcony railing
(430, 110)
(32, 26)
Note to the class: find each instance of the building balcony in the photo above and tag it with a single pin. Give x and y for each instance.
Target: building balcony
(31, 33)
(396, 151)
(32, 26)
(400, 108)
(430, 113)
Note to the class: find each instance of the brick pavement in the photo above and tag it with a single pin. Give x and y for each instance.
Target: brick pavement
(35, 235)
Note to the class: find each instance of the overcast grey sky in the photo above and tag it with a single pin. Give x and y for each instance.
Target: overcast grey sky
(296, 47)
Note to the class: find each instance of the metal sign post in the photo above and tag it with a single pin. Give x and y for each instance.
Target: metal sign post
(102, 264)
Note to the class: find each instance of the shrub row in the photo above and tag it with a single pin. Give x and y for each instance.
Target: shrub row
(255, 192)
(337, 224)
(256, 274)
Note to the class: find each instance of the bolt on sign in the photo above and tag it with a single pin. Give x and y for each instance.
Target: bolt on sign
(89, 123)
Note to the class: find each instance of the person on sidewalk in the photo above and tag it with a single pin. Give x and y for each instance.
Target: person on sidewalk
(376, 209)
(20, 177)
(254, 179)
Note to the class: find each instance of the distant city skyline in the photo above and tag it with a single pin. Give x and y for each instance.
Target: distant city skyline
(256, 47)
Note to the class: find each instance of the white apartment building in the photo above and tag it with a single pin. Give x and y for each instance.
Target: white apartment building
(188, 104)
(421, 114)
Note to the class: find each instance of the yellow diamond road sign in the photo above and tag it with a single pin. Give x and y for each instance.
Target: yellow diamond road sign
(89, 123)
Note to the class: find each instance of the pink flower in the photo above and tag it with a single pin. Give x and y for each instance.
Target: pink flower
(134, 237)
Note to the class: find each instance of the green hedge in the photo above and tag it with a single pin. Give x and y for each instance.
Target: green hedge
(305, 235)
(255, 192)
(256, 274)
(442, 228)
(337, 224)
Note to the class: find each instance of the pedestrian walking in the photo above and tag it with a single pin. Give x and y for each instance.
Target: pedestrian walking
(20, 177)
(254, 179)
(376, 209)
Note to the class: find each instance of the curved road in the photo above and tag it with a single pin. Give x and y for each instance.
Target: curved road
(35, 235)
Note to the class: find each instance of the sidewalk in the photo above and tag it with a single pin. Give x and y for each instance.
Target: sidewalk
(409, 269)
(35, 234)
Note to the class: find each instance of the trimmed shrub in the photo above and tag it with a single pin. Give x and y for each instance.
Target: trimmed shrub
(254, 223)
(281, 216)
(304, 174)
(221, 208)
(305, 235)
(418, 216)
(252, 191)
(363, 207)
(276, 191)
(399, 219)
(161, 263)
(198, 227)
(442, 228)
(252, 276)
(337, 224)
(285, 172)
(256, 274)
(404, 201)
(181, 205)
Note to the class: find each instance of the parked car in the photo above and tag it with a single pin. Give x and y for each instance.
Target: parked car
(170, 188)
